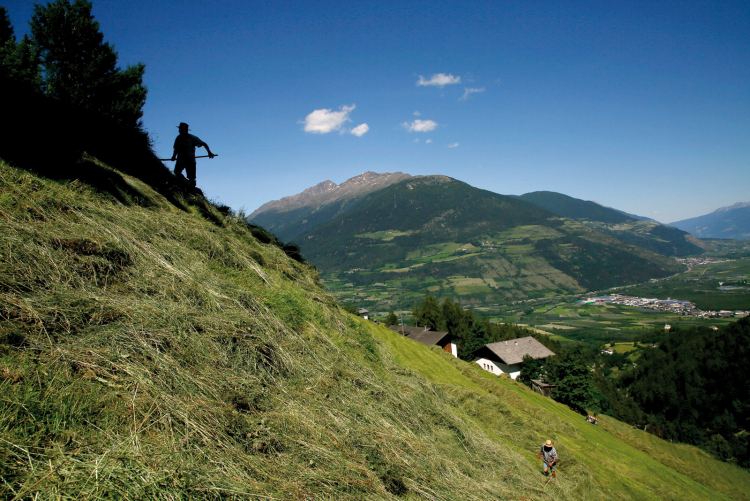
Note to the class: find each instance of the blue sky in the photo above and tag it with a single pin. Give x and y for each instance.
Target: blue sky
(642, 106)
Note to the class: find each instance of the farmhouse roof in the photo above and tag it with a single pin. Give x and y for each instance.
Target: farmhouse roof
(512, 351)
(406, 330)
(428, 338)
(362, 311)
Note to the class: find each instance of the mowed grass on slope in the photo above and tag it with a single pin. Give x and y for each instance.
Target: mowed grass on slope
(152, 352)
(612, 457)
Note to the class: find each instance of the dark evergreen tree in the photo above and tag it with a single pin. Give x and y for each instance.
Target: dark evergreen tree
(19, 62)
(6, 28)
(531, 368)
(428, 314)
(392, 319)
(569, 371)
(477, 338)
(80, 68)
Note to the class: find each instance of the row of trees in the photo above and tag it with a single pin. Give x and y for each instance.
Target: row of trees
(471, 332)
(66, 58)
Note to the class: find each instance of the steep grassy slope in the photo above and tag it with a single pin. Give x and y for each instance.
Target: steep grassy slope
(152, 352)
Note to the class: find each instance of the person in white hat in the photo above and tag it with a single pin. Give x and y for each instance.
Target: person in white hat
(184, 152)
(548, 454)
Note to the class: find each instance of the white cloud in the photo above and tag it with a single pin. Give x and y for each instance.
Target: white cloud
(468, 92)
(452, 145)
(416, 140)
(439, 80)
(324, 121)
(416, 113)
(360, 130)
(428, 141)
(420, 126)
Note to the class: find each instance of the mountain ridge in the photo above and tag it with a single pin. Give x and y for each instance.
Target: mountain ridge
(456, 239)
(731, 222)
(637, 230)
(328, 191)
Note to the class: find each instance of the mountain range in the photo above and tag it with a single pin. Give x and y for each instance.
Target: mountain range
(435, 234)
(727, 222)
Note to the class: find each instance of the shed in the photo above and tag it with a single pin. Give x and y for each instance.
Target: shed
(542, 387)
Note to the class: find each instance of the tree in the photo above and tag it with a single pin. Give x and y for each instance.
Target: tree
(531, 368)
(456, 320)
(570, 373)
(392, 319)
(477, 338)
(18, 61)
(80, 68)
(6, 29)
(428, 314)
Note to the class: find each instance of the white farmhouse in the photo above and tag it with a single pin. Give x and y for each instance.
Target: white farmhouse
(506, 357)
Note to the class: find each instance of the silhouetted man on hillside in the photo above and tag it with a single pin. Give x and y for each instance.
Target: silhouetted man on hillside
(184, 151)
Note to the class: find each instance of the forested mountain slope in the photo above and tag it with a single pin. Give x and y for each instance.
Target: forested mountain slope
(455, 239)
(152, 349)
(574, 208)
(649, 234)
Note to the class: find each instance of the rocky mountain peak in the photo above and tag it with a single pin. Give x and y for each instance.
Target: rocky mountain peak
(328, 191)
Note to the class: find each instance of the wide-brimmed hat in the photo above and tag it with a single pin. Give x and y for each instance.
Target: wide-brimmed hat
(183, 124)
(548, 443)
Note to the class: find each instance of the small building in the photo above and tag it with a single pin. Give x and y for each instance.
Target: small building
(362, 312)
(545, 389)
(506, 357)
(428, 338)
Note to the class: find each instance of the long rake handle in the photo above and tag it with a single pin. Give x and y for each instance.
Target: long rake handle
(555, 467)
(170, 160)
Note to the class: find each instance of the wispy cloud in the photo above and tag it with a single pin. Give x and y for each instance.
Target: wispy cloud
(452, 145)
(360, 130)
(420, 126)
(468, 91)
(325, 120)
(428, 141)
(439, 80)
(416, 113)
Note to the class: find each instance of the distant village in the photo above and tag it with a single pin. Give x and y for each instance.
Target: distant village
(697, 261)
(677, 306)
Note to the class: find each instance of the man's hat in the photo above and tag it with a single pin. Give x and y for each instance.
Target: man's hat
(183, 124)
(548, 443)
